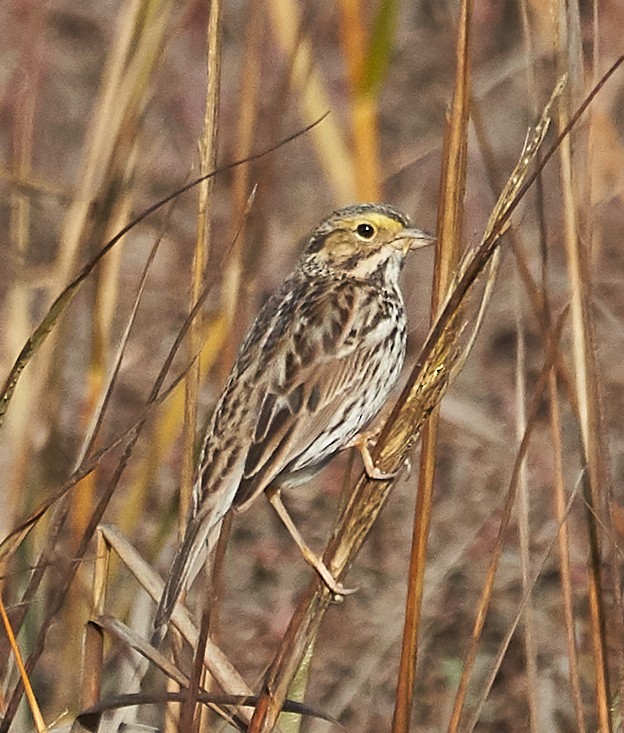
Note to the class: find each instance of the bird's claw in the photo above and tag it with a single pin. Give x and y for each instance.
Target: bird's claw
(336, 587)
(372, 471)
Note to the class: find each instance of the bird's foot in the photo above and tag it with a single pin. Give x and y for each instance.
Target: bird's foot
(274, 496)
(361, 442)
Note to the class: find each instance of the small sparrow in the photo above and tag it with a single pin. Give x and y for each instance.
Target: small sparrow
(315, 368)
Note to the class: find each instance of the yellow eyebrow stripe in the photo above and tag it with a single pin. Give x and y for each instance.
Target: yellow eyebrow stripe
(380, 221)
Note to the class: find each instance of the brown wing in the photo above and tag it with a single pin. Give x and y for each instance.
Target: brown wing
(315, 371)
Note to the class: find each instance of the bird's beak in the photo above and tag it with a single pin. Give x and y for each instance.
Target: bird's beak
(414, 239)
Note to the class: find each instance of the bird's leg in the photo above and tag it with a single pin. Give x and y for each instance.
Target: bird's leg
(361, 443)
(274, 496)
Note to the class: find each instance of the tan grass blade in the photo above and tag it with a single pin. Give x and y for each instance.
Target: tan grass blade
(207, 160)
(93, 640)
(331, 147)
(587, 374)
(542, 305)
(237, 271)
(448, 249)
(363, 106)
(564, 551)
(215, 660)
(363, 110)
(528, 624)
(129, 639)
(603, 133)
(140, 33)
(19, 296)
(32, 700)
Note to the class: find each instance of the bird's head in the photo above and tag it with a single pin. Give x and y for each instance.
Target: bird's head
(359, 241)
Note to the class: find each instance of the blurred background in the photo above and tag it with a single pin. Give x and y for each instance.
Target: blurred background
(102, 106)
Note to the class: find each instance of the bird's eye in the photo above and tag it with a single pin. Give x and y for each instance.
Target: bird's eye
(365, 231)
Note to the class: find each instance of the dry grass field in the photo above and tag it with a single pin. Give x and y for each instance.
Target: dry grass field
(108, 107)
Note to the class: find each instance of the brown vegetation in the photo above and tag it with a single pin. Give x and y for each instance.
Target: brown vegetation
(512, 593)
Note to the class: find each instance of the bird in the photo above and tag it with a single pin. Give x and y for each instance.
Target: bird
(314, 370)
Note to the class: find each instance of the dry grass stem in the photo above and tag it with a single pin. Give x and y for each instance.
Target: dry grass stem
(93, 644)
(32, 700)
(215, 660)
(207, 161)
(448, 252)
(586, 369)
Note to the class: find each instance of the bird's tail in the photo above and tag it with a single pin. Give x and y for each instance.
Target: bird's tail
(199, 539)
